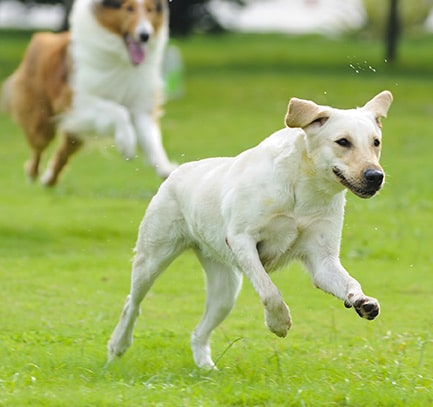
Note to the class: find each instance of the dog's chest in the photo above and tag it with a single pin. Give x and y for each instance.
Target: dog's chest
(277, 239)
(286, 236)
(121, 85)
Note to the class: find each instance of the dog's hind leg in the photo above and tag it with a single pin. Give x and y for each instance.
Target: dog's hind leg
(39, 131)
(69, 146)
(148, 265)
(31, 166)
(39, 137)
(222, 288)
(158, 244)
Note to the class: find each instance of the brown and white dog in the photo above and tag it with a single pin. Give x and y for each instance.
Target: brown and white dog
(103, 77)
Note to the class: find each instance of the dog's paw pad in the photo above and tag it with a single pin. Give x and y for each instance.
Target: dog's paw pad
(367, 308)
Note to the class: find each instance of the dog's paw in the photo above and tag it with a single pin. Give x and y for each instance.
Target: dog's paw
(279, 320)
(31, 171)
(202, 353)
(126, 150)
(126, 142)
(165, 170)
(115, 350)
(366, 307)
(48, 178)
(118, 344)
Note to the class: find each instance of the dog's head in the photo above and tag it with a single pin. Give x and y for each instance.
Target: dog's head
(136, 21)
(344, 145)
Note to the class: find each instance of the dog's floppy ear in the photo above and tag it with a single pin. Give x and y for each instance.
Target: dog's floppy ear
(379, 105)
(302, 113)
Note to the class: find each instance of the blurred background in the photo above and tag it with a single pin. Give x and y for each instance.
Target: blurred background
(386, 19)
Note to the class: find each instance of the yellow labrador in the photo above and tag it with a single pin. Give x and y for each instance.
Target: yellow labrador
(253, 213)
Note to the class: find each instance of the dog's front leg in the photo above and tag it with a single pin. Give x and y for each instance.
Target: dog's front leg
(277, 313)
(93, 114)
(330, 276)
(150, 141)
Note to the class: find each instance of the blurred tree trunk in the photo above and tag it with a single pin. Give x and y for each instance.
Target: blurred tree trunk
(189, 15)
(392, 31)
(68, 7)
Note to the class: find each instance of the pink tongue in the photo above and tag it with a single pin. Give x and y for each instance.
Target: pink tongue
(136, 52)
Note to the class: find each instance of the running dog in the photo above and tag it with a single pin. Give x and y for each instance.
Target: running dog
(251, 214)
(102, 77)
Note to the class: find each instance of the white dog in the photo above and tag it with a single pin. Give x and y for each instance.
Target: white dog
(250, 214)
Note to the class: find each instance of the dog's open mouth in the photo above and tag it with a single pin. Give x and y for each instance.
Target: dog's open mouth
(136, 50)
(358, 191)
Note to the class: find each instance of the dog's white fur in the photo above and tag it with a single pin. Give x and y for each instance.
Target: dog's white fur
(281, 200)
(110, 93)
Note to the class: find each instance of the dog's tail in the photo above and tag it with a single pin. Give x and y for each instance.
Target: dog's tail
(6, 95)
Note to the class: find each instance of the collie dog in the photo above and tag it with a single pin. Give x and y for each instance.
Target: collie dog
(102, 77)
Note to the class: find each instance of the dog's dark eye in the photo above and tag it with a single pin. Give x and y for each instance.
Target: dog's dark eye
(376, 142)
(344, 142)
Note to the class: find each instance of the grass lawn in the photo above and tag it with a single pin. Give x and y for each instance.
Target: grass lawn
(65, 253)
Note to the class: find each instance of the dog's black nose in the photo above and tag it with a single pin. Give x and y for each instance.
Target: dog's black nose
(374, 178)
(144, 36)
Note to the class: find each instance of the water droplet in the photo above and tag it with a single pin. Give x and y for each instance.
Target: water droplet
(371, 68)
(356, 69)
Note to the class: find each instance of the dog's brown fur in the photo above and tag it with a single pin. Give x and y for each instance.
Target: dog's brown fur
(37, 92)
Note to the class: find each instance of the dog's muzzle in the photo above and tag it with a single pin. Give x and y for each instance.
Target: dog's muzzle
(136, 46)
(371, 182)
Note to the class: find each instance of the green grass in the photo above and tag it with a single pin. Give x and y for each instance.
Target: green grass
(65, 253)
